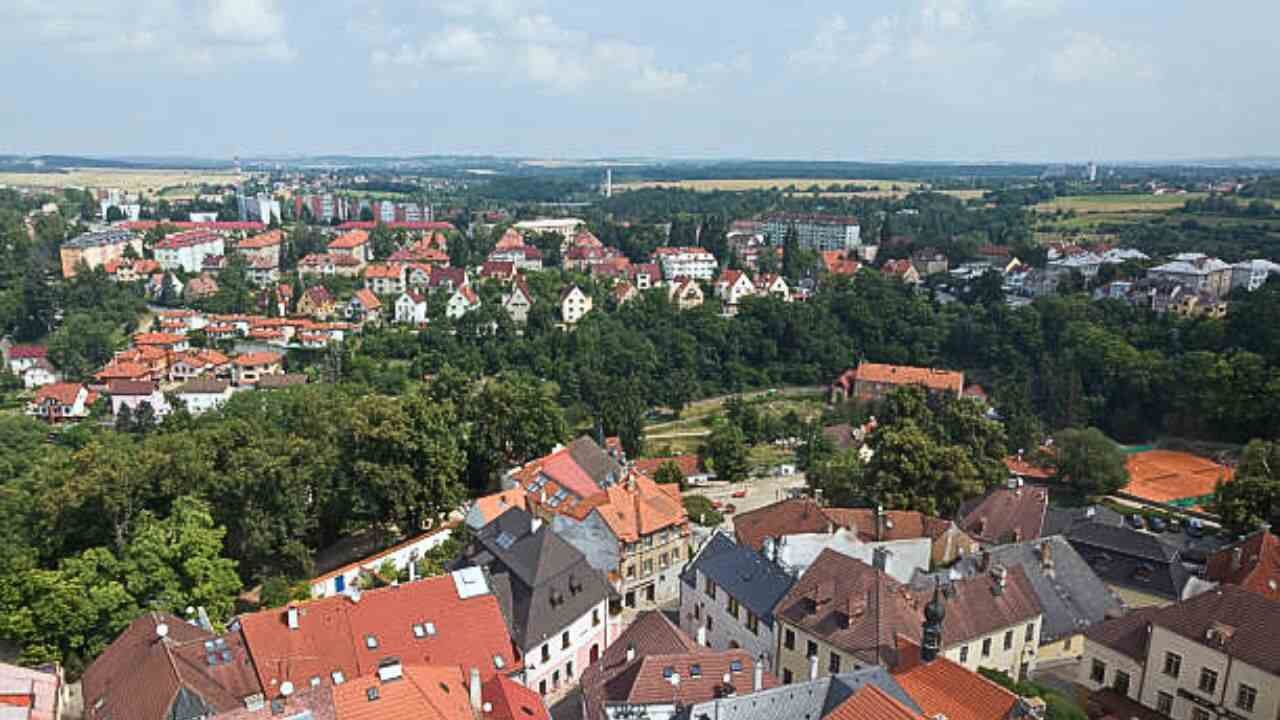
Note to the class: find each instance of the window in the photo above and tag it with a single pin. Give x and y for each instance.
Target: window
(662, 560)
(564, 640)
(370, 642)
(1245, 697)
(964, 654)
(648, 567)
(546, 653)
(786, 676)
(1164, 703)
(1031, 632)
(631, 571)
(1208, 680)
(568, 670)
(1098, 673)
(811, 649)
(753, 623)
(1008, 640)
(1172, 664)
(555, 679)
(710, 589)
(695, 671)
(648, 541)
(789, 639)
(595, 617)
(708, 623)
(833, 663)
(697, 611)
(1199, 713)
(986, 647)
(1121, 682)
(733, 607)
(542, 687)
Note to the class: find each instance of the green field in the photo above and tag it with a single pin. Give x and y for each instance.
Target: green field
(1118, 203)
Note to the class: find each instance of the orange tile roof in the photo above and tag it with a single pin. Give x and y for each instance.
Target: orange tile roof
(155, 338)
(510, 239)
(1252, 563)
(491, 506)
(641, 507)
(871, 703)
(368, 299)
(837, 262)
(390, 271)
(945, 688)
(509, 700)
(435, 692)
(263, 240)
(61, 393)
(907, 375)
(1165, 475)
(349, 240)
(689, 464)
(1020, 467)
(258, 358)
(122, 371)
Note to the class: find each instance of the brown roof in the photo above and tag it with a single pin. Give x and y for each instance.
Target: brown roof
(689, 464)
(789, 517)
(906, 375)
(891, 525)
(251, 359)
(130, 387)
(861, 610)
(1252, 563)
(1007, 515)
(140, 675)
(349, 240)
(271, 238)
(1126, 634)
(204, 386)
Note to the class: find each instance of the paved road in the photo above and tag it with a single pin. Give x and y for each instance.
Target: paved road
(760, 492)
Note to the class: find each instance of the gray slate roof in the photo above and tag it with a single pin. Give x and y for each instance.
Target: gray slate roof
(95, 239)
(1059, 521)
(1130, 558)
(810, 700)
(602, 467)
(542, 582)
(1073, 599)
(744, 574)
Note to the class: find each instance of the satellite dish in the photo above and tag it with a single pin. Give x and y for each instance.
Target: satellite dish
(162, 630)
(286, 688)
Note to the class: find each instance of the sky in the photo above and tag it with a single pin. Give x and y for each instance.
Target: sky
(875, 80)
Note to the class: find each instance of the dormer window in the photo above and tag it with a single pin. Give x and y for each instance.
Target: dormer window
(371, 642)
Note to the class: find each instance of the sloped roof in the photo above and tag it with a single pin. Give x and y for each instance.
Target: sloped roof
(130, 387)
(367, 299)
(1252, 563)
(271, 238)
(1123, 556)
(744, 574)
(943, 688)
(349, 240)
(509, 700)
(689, 464)
(251, 359)
(487, 508)
(60, 393)
(872, 703)
(797, 515)
(140, 675)
(204, 386)
(438, 692)
(812, 699)
(1006, 514)
(930, 378)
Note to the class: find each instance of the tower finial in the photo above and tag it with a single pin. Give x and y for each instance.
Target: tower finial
(934, 613)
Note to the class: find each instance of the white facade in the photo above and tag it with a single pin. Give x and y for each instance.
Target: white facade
(189, 257)
(566, 227)
(902, 557)
(693, 263)
(461, 302)
(202, 402)
(37, 376)
(816, 232)
(709, 620)
(402, 555)
(567, 654)
(411, 309)
(574, 305)
(1252, 274)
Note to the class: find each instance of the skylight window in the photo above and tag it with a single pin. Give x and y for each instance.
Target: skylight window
(337, 677)
(735, 666)
(498, 662)
(370, 642)
(505, 540)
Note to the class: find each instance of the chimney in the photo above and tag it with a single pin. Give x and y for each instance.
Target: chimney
(631, 652)
(702, 637)
(535, 525)
(1046, 557)
(1001, 575)
(757, 676)
(880, 515)
(984, 560)
(770, 550)
(474, 687)
(880, 559)
(813, 667)
(293, 618)
(1237, 557)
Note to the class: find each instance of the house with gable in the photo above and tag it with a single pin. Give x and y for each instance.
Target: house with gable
(462, 301)
(353, 244)
(62, 401)
(574, 304)
(411, 308)
(364, 307)
(685, 293)
(518, 302)
(316, 302)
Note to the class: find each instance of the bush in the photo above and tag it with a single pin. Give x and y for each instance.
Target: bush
(1057, 705)
(702, 512)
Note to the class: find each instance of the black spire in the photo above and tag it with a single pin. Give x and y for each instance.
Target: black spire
(934, 613)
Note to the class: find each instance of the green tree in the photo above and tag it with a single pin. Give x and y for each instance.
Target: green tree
(841, 480)
(1089, 461)
(1252, 496)
(726, 453)
(114, 214)
(669, 472)
(81, 345)
(701, 511)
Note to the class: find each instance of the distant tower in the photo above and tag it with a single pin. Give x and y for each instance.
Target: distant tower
(1093, 171)
(608, 182)
(934, 613)
(240, 192)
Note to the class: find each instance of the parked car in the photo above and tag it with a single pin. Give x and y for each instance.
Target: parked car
(1195, 528)
(1136, 522)
(1175, 525)
(1157, 524)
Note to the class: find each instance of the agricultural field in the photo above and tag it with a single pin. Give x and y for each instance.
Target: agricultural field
(1119, 203)
(148, 182)
(878, 188)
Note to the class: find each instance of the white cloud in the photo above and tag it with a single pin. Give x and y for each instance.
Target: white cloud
(1088, 57)
(517, 40)
(192, 36)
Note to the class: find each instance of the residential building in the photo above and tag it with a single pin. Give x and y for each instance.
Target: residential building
(565, 227)
(423, 251)
(1252, 274)
(690, 466)
(96, 249)
(555, 603)
(815, 232)
(685, 294)
(1010, 514)
(903, 270)
(201, 287)
(573, 305)
(196, 363)
(869, 693)
(654, 670)
(134, 394)
(773, 285)
(23, 357)
(61, 401)
(39, 693)
(201, 395)
(646, 276)
(353, 244)
(840, 263)
(39, 374)
(187, 251)
(727, 596)
(626, 524)
(1252, 563)
(899, 559)
(943, 688)
(1140, 567)
(1072, 597)
(929, 261)
(844, 615)
(164, 668)
(732, 287)
(404, 556)
(499, 271)
(525, 258)
(1119, 256)
(685, 262)
(463, 301)
(385, 278)
(364, 307)
(329, 265)
(250, 367)
(1085, 263)
(484, 510)
(518, 302)
(871, 382)
(1211, 656)
(1196, 272)
(623, 293)
(452, 619)
(316, 302)
(411, 308)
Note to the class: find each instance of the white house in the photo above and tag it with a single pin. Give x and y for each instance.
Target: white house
(518, 302)
(733, 286)
(691, 262)
(204, 394)
(188, 250)
(39, 374)
(1252, 274)
(403, 556)
(411, 308)
(463, 301)
(573, 305)
(133, 394)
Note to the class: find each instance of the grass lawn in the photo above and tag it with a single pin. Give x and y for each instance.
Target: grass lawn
(1117, 203)
(767, 455)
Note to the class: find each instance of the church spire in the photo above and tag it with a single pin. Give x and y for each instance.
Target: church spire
(934, 613)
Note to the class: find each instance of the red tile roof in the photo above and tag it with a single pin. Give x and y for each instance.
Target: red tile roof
(1024, 469)
(349, 240)
(509, 700)
(252, 359)
(122, 370)
(267, 239)
(930, 378)
(334, 633)
(387, 271)
(689, 464)
(60, 393)
(214, 225)
(435, 692)
(943, 688)
(510, 239)
(1007, 515)
(491, 506)
(368, 300)
(872, 703)
(1252, 563)
(398, 224)
(838, 262)
(160, 339)
(190, 238)
(789, 517)
(27, 352)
